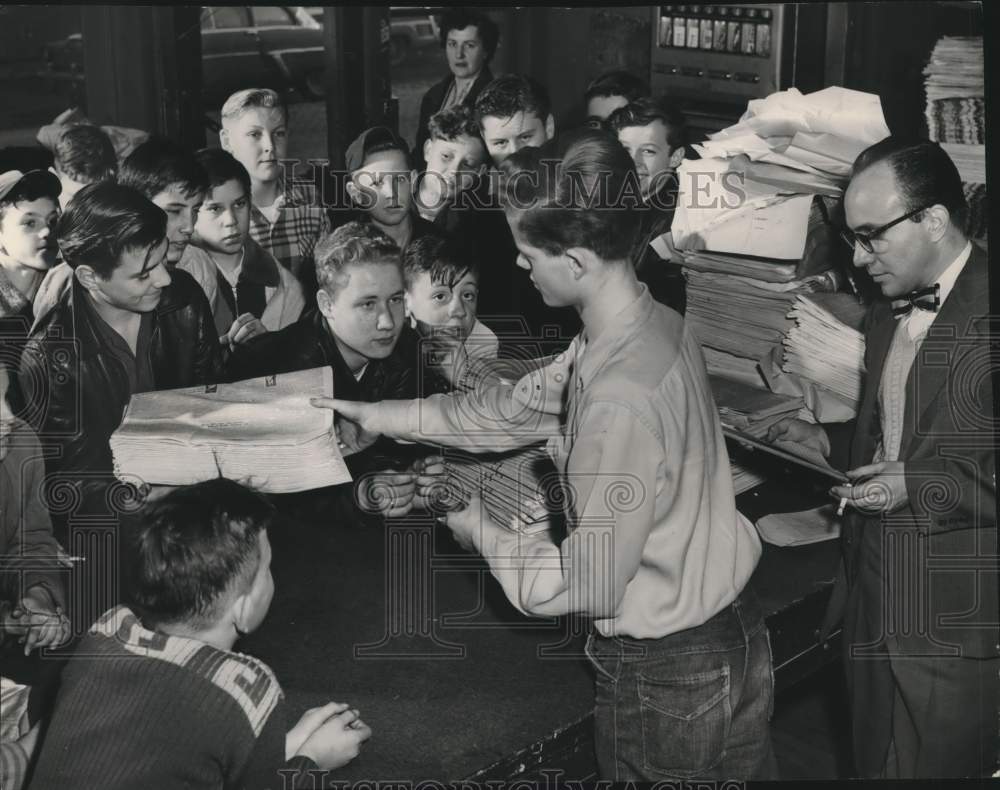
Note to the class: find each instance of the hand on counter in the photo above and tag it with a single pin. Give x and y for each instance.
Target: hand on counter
(330, 736)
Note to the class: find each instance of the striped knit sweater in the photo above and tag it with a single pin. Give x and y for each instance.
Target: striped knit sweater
(138, 708)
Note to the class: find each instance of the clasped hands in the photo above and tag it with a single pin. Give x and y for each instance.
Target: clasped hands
(874, 488)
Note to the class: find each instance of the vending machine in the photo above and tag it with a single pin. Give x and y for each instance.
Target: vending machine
(712, 59)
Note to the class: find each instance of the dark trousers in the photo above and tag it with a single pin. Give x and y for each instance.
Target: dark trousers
(942, 714)
(691, 705)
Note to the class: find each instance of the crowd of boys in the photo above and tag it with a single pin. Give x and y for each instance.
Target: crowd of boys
(175, 268)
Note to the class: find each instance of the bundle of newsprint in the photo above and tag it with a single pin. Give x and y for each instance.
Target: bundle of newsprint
(520, 489)
(956, 117)
(263, 432)
(756, 230)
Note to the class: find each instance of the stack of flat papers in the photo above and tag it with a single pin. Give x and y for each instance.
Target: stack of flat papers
(970, 161)
(751, 410)
(262, 432)
(521, 489)
(736, 315)
(822, 348)
(956, 116)
(955, 68)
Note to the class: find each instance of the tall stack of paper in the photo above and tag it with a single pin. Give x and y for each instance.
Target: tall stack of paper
(823, 348)
(263, 432)
(956, 116)
(520, 489)
(738, 315)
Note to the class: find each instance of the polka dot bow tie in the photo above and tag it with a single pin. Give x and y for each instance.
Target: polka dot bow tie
(924, 299)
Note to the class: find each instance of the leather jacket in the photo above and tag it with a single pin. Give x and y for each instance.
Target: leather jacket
(76, 390)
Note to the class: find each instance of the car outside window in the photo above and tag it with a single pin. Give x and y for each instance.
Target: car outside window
(267, 15)
(229, 16)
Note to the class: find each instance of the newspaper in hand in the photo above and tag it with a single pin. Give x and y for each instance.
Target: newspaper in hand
(262, 432)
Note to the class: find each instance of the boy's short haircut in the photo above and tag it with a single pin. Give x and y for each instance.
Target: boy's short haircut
(374, 141)
(643, 112)
(251, 99)
(16, 186)
(351, 243)
(446, 259)
(158, 164)
(461, 18)
(221, 167)
(587, 199)
(85, 154)
(104, 220)
(510, 94)
(192, 548)
(454, 122)
(617, 83)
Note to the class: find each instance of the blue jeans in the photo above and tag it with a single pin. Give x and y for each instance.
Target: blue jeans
(691, 705)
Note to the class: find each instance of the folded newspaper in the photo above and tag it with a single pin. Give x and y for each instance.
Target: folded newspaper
(520, 489)
(262, 432)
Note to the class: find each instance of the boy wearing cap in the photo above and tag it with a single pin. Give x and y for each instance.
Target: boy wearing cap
(380, 185)
(283, 219)
(29, 209)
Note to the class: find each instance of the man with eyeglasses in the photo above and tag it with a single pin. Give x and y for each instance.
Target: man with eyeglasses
(918, 592)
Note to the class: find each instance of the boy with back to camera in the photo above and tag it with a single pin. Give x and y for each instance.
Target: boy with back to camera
(157, 697)
(82, 155)
(656, 552)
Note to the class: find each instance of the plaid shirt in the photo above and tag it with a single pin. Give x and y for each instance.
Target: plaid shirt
(293, 236)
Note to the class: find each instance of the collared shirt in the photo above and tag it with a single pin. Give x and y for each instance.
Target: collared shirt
(655, 543)
(292, 237)
(906, 342)
(138, 366)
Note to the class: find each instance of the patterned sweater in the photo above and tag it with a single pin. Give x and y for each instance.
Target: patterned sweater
(138, 708)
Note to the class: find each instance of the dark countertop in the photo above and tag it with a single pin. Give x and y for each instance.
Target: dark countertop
(416, 634)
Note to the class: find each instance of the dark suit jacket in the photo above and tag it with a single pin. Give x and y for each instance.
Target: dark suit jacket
(919, 581)
(431, 103)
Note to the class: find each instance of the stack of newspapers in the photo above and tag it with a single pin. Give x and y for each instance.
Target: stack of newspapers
(262, 432)
(520, 489)
(824, 345)
(956, 117)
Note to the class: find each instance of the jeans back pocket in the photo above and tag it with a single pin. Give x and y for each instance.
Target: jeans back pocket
(685, 721)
